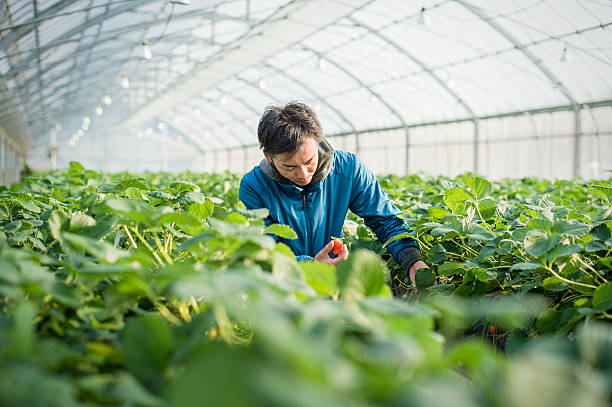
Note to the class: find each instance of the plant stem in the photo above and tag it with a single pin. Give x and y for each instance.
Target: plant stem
(554, 273)
(592, 269)
(147, 245)
(160, 247)
(129, 235)
(481, 218)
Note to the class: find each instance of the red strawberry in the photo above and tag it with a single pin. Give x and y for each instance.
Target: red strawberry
(337, 247)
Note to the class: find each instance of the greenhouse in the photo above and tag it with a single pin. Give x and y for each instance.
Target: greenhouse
(440, 233)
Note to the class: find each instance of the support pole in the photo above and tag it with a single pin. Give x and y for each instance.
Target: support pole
(577, 140)
(407, 151)
(476, 146)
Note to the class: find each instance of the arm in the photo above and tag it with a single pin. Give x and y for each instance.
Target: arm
(369, 201)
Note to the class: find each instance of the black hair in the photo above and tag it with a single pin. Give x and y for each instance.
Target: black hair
(283, 129)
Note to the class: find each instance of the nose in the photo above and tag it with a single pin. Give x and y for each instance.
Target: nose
(303, 172)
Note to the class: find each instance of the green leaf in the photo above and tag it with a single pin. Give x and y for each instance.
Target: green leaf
(146, 344)
(133, 209)
(20, 340)
(192, 197)
(79, 221)
(554, 284)
(480, 187)
(183, 186)
(595, 246)
(477, 232)
(455, 198)
(283, 231)
(202, 210)
(602, 298)
(487, 208)
(364, 274)
(570, 228)
(563, 250)
(516, 341)
(100, 249)
(525, 266)
(321, 277)
(77, 167)
(58, 221)
(121, 186)
(437, 213)
(602, 191)
(438, 254)
(442, 229)
(450, 268)
(424, 278)
(12, 227)
(135, 193)
(29, 205)
(179, 218)
(537, 242)
(601, 232)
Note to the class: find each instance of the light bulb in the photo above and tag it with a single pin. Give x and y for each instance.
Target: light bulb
(86, 120)
(566, 57)
(85, 126)
(125, 83)
(322, 63)
(149, 131)
(261, 84)
(161, 125)
(80, 133)
(106, 99)
(424, 17)
(223, 100)
(197, 111)
(99, 110)
(146, 51)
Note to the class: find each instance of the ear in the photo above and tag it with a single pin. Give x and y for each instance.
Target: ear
(268, 157)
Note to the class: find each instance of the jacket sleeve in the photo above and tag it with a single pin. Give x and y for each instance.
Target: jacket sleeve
(369, 201)
(247, 193)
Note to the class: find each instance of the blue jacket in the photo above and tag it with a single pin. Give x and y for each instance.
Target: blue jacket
(317, 213)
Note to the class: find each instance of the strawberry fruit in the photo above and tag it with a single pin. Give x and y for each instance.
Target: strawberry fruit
(337, 247)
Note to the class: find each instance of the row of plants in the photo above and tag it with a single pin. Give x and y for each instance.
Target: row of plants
(162, 289)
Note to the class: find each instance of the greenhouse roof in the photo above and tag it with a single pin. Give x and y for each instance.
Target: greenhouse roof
(208, 68)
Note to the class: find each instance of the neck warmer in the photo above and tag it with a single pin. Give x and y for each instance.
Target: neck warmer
(326, 159)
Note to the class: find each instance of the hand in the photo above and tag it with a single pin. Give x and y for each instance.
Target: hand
(419, 264)
(323, 255)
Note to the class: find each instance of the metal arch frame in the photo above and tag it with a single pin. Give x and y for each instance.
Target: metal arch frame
(436, 78)
(78, 30)
(71, 90)
(373, 93)
(109, 52)
(24, 28)
(542, 68)
(315, 94)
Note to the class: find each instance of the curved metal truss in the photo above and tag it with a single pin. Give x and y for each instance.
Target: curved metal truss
(372, 64)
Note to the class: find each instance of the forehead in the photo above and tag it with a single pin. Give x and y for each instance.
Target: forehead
(306, 151)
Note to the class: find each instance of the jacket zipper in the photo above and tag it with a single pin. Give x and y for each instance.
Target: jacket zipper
(304, 193)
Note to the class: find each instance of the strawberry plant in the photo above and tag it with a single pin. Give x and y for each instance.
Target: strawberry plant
(160, 289)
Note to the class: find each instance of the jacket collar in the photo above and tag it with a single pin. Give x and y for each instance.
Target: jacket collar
(324, 167)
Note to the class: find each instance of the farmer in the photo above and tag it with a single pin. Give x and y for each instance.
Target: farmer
(308, 185)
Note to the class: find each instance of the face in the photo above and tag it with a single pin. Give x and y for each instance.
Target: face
(300, 166)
